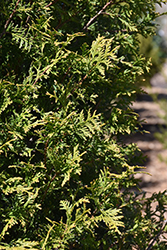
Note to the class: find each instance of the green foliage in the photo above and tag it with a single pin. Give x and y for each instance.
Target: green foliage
(68, 74)
(152, 47)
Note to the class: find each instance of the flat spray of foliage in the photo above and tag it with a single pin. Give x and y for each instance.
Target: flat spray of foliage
(67, 78)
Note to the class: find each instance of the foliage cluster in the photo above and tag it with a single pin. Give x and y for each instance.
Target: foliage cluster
(155, 46)
(152, 47)
(68, 73)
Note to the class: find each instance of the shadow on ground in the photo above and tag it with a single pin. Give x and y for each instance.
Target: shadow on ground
(153, 150)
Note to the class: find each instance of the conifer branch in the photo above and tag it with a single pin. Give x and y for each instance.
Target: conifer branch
(99, 13)
(41, 75)
(80, 83)
(8, 21)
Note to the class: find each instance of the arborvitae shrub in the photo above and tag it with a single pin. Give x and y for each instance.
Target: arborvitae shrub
(68, 76)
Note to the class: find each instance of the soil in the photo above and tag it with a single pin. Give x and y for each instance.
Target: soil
(151, 112)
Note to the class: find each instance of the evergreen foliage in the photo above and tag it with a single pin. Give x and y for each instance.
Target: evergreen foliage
(68, 74)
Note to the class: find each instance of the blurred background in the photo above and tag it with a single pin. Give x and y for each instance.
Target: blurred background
(156, 46)
(152, 107)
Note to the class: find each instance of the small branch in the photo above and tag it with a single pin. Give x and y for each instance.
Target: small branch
(45, 152)
(65, 74)
(41, 75)
(44, 195)
(29, 18)
(68, 20)
(8, 21)
(156, 237)
(154, 240)
(100, 12)
(97, 105)
(80, 83)
(51, 3)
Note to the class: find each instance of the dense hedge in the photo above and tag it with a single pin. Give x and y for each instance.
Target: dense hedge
(68, 72)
